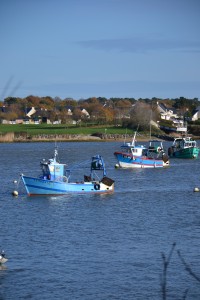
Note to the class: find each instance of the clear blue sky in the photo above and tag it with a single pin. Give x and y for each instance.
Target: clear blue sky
(100, 48)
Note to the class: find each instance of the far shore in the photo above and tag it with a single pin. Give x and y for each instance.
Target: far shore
(18, 138)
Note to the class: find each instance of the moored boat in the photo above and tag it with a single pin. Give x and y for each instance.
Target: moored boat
(139, 156)
(55, 179)
(184, 147)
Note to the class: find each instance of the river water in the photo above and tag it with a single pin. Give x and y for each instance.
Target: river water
(99, 247)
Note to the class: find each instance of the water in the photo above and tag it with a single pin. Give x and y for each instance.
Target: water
(99, 247)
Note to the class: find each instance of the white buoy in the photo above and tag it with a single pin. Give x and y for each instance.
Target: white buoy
(116, 166)
(15, 193)
(15, 181)
(196, 189)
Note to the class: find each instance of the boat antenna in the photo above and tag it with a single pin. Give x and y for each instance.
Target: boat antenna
(186, 128)
(133, 141)
(125, 136)
(56, 151)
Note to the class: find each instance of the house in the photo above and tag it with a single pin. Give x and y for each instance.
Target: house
(170, 114)
(85, 113)
(196, 114)
(69, 109)
(30, 112)
(166, 113)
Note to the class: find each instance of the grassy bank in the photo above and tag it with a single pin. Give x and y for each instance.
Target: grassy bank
(46, 132)
(32, 130)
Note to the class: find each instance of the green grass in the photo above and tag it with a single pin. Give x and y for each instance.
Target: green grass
(61, 129)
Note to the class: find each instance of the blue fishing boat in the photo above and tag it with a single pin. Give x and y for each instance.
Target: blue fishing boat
(55, 179)
(139, 156)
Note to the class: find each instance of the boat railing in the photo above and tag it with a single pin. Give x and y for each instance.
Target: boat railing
(61, 179)
(57, 178)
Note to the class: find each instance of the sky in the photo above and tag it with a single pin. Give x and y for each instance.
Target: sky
(100, 48)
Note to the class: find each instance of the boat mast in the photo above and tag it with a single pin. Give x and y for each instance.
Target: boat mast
(150, 121)
(134, 137)
(125, 136)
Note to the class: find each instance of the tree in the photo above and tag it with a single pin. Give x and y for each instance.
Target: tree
(47, 103)
(52, 116)
(183, 105)
(11, 116)
(140, 115)
(77, 114)
(31, 101)
(10, 100)
(109, 115)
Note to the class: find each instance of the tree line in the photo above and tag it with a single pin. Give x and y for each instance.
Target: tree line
(127, 112)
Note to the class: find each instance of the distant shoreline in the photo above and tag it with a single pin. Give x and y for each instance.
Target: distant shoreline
(15, 138)
(23, 138)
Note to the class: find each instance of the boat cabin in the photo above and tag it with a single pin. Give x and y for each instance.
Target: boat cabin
(98, 164)
(134, 150)
(187, 142)
(52, 170)
(155, 146)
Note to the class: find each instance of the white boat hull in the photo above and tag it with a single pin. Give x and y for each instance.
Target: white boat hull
(128, 161)
(3, 260)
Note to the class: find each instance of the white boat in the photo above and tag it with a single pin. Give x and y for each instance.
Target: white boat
(3, 258)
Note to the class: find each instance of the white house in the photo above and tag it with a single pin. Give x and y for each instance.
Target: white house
(31, 112)
(196, 114)
(165, 113)
(170, 114)
(85, 113)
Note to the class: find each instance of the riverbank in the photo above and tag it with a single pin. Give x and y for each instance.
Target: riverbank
(48, 133)
(22, 137)
(17, 137)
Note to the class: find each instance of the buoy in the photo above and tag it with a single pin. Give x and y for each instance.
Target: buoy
(15, 193)
(116, 166)
(196, 189)
(15, 181)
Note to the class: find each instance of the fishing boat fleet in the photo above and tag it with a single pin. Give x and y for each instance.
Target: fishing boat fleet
(154, 156)
(55, 178)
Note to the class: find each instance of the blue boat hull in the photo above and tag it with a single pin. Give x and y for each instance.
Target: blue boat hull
(128, 161)
(37, 186)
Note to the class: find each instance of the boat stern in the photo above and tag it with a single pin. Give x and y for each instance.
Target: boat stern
(107, 184)
(165, 159)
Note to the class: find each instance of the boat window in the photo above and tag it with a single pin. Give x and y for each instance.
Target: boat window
(126, 150)
(181, 144)
(45, 170)
(144, 152)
